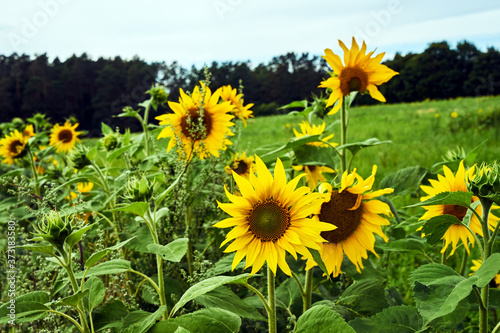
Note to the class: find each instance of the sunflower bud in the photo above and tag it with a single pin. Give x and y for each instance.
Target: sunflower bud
(53, 172)
(111, 141)
(139, 189)
(54, 229)
(79, 158)
(159, 96)
(485, 183)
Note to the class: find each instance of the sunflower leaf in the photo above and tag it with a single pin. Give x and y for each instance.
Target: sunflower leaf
(317, 258)
(204, 320)
(404, 181)
(322, 318)
(294, 142)
(447, 198)
(354, 147)
(401, 319)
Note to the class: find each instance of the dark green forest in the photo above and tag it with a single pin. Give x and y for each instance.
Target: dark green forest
(95, 90)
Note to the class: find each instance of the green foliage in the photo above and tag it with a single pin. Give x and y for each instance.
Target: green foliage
(321, 319)
(211, 320)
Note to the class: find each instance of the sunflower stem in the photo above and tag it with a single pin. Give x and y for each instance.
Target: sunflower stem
(189, 253)
(485, 291)
(343, 137)
(33, 170)
(464, 262)
(308, 290)
(271, 315)
(145, 127)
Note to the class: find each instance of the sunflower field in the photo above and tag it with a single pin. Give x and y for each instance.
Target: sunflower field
(210, 220)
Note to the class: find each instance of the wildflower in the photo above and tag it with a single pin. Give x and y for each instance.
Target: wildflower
(240, 111)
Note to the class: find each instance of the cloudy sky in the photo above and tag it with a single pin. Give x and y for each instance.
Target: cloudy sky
(201, 31)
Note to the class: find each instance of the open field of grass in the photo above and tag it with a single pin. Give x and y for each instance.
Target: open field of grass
(421, 132)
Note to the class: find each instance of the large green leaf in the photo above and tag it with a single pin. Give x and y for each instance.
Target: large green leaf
(173, 251)
(206, 286)
(48, 249)
(137, 208)
(447, 198)
(288, 293)
(224, 265)
(432, 273)
(366, 297)
(322, 319)
(435, 228)
(318, 156)
(404, 245)
(317, 259)
(77, 235)
(95, 257)
(141, 321)
(225, 299)
(109, 315)
(211, 320)
(357, 146)
(95, 295)
(115, 266)
(294, 142)
(27, 307)
(74, 299)
(404, 181)
(396, 319)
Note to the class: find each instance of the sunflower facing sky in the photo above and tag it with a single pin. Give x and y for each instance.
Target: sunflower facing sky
(12, 147)
(199, 123)
(231, 95)
(455, 183)
(64, 137)
(356, 216)
(307, 129)
(314, 173)
(271, 218)
(360, 72)
(242, 165)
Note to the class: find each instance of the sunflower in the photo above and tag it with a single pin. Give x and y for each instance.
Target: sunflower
(357, 219)
(231, 95)
(475, 267)
(199, 124)
(314, 173)
(28, 131)
(271, 218)
(64, 137)
(83, 188)
(12, 147)
(242, 165)
(455, 183)
(360, 73)
(307, 129)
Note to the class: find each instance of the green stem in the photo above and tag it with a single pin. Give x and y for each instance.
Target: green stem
(271, 300)
(308, 290)
(189, 253)
(80, 328)
(343, 137)
(259, 294)
(145, 128)
(497, 328)
(464, 262)
(147, 278)
(33, 170)
(74, 285)
(485, 291)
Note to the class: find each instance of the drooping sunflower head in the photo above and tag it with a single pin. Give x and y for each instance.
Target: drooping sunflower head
(360, 72)
(270, 218)
(314, 173)
(12, 147)
(307, 129)
(28, 131)
(352, 209)
(64, 137)
(450, 182)
(199, 123)
(242, 165)
(241, 111)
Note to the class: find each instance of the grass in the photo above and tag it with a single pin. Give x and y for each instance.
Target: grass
(421, 132)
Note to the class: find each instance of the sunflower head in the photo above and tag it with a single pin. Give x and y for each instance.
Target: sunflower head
(314, 173)
(64, 137)
(307, 129)
(352, 209)
(270, 218)
(28, 131)
(139, 189)
(199, 123)
(54, 229)
(13, 146)
(241, 164)
(241, 111)
(360, 72)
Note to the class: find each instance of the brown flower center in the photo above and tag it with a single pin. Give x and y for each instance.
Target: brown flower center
(196, 126)
(336, 211)
(240, 167)
(353, 79)
(455, 210)
(268, 220)
(65, 135)
(16, 147)
(311, 168)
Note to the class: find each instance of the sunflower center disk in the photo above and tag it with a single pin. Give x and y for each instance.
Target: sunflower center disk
(240, 167)
(65, 135)
(353, 79)
(336, 211)
(268, 220)
(311, 168)
(195, 126)
(16, 147)
(458, 211)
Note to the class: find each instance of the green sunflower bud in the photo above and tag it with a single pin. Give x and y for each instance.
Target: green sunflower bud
(111, 141)
(53, 172)
(456, 154)
(54, 229)
(139, 189)
(79, 158)
(485, 182)
(159, 96)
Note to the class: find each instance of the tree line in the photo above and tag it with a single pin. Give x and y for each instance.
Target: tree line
(94, 91)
